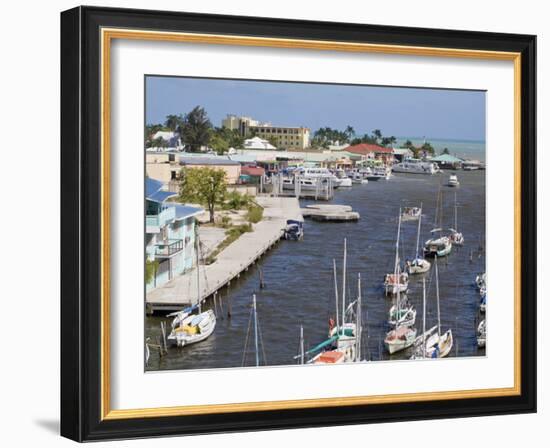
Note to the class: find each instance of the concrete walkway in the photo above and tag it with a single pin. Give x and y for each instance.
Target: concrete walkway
(231, 262)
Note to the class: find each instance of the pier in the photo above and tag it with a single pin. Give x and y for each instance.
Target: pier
(230, 263)
(330, 212)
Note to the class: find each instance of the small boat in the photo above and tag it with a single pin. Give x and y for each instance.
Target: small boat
(437, 345)
(480, 280)
(402, 315)
(189, 328)
(481, 334)
(453, 181)
(343, 179)
(192, 328)
(397, 282)
(419, 265)
(294, 230)
(360, 177)
(440, 246)
(306, 184)
(411, 213)
(399, 339)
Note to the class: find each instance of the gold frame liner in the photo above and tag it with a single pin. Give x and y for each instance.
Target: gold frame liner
(107, 35)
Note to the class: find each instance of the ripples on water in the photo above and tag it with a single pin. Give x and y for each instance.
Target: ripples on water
(299, 280)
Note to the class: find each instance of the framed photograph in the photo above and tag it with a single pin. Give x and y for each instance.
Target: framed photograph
(273, 223)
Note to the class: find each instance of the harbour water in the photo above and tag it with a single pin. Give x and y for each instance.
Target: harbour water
(299, 281)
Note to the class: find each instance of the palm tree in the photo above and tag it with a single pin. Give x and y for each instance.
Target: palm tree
(173, 122)
(377, 133)
(195, 129)
(350, 132)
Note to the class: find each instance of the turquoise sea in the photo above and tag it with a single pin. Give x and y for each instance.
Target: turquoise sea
(465, 149)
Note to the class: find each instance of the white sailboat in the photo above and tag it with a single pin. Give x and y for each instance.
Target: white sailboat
(419, 265)
(189, 328)
(440, 246)
(402, 336)
(437, 345)
(456, 237)
(396, 282)
(482, 334)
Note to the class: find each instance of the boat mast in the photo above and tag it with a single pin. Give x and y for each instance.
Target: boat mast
(456, 214)
(336, 295)
(424, 316)
(197, 250)
(437, 297)
(397, 244)
(255, 330)
(359, 322)
(344, 285)
(418, 233)
(302, 354)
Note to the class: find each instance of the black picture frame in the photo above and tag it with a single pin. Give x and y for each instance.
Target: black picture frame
(81, 224)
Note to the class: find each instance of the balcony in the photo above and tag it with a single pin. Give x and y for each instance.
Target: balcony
(168, 248)
(153, 223)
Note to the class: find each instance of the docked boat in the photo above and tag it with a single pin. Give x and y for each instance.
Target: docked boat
(481, 336)
(415, 166)
(399, 339)
(483, 302)
(306, 184)
(361, 176)
(317, 173)
(294, 230)
(380, 172)
(453, 181)
(189, 327)
(342, 179)
(481, 280)
(402, 314)
(192, 328)
(418, 265)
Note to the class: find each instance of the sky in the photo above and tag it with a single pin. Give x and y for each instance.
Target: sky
(397, 111)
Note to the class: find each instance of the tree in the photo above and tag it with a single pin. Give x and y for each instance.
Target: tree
(445, 151)
(221, 139)
(388, 141)
(173, 122)
(150, 131)
(206, 186)
(377, 133)
(350, 132)
(195, 129)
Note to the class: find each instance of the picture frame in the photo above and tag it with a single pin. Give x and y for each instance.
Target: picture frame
(86, 176)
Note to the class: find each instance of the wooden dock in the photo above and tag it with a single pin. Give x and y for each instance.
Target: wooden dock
(237, 258)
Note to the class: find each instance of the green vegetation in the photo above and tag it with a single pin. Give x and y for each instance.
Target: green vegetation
(418, 151)
(232, 235)
(195, 130)
(255, 214)
(221, 139)
(205, 186)
(236, 201)
(323, 137)
(150, 270)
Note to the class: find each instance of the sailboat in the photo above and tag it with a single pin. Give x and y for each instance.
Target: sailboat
(421, 342)
(402, 313)
(396, 283)
(481, 334)
(189, 328)
(456, 237)
(419, 265)
(402, 336)
(438, 246)
(258, 343)
(437, 345)
(342, 344)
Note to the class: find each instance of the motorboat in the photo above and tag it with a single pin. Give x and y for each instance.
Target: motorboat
(415, 166)
(438, 247)
(342, 179)
(294, 230)
(411, 213)
(394, 283)
(453, 181)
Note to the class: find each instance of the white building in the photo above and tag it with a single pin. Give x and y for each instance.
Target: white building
(258, 143)
(172, 139)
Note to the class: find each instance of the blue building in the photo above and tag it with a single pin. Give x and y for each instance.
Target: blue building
(170, 230)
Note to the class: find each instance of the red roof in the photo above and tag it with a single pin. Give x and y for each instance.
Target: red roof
(365, 148)
(252, 171)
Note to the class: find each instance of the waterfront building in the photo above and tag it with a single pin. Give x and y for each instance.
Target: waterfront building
(231, 168)
(447, 161)
(401, 154)
(284, 137)
(170, 231)
(372, 151)
(251, 174)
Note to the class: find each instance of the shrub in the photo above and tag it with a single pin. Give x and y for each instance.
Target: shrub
(255, 214)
